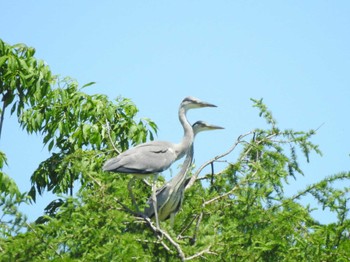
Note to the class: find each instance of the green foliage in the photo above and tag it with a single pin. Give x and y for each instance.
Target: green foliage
(7, 185)
(246, 209)
(23, 79)
(11, 219)
(70, 119)
(80, 130)
(239, 214)
(79, 127)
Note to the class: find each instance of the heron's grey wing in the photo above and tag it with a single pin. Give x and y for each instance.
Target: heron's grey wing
(147, 158)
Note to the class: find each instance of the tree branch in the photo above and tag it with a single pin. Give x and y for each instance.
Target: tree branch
(195, 175)
(186, 227)
(110, 137)
(199, 220)
(200, 254)
(219, 197)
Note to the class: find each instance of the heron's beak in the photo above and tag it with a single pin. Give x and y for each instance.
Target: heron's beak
(214, 127)
(205, 104)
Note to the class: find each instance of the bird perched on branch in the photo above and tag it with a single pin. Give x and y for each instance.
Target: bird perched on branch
(156, 156)
(170, 196)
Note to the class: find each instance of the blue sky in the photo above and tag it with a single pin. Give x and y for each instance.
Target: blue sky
(294, 54)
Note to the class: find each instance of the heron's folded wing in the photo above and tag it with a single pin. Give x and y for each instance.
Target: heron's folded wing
(148, 158)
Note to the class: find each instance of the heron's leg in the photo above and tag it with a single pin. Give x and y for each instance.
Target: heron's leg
(154, 200)
(131, 181)
(172, 219)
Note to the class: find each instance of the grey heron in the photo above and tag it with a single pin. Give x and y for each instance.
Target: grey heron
(170, 196)
(156, 156)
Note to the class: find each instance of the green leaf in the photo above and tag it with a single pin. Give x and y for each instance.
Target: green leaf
(88, 84)
(51, 144)
(13, 108)
(3, 60)
(86, 130)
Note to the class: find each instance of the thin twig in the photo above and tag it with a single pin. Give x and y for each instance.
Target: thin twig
(319, 127)
(155, 242)
(176, 245)
(219, 197)
(186, 227)
(169, 238)
(110, 137)
(93, 179)
(225, 161)
(200, 216)
(200, 254)
(199, 220)
(156, 232)
(229, 192)
(195, 175)
(136, 214)
(166, 235)
(211, 176)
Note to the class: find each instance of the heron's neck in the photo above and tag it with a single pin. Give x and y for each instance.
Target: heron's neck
(179, 180)
(187, 140)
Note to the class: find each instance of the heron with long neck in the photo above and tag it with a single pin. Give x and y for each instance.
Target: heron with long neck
(169, 198)
(156, 156)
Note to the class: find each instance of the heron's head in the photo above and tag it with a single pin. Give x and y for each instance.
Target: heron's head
(200, 126)
(192, 102)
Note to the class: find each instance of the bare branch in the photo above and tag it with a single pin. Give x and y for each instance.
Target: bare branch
(155, 242)
(166, 235)
(229, 192)
(94, 180)
(195, 175)
(200, 216)
(158, 232)
(200, 254)
(186, 227)
(199, 220)
(176, 245)
(319, 127)
(212, 175)
(110, 137)
(219, 197)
